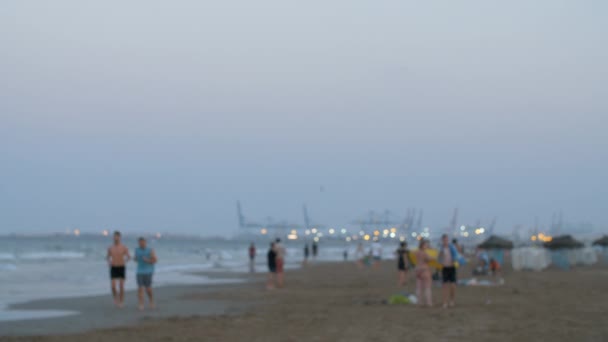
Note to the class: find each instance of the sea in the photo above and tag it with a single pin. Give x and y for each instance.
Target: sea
(63, 266)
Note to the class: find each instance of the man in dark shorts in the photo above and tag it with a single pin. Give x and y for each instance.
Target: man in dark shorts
(146, 259)
(402, 263)
(118, 256)
(252, 253)
(448, 255)
(272, 266)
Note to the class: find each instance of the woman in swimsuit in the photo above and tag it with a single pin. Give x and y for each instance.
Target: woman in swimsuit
(423, 275)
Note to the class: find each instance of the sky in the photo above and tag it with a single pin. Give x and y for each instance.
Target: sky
(159, 116)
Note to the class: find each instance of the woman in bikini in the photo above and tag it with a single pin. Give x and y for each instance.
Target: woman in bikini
(423, 275)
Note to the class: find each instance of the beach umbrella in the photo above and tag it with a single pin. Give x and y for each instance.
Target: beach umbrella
(495, 242)
(563, 242)
(603, 241)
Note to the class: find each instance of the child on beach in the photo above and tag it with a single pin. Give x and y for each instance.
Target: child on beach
(423, 275)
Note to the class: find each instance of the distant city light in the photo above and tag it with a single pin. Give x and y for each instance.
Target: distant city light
(77, 232)
(331, 231)
(307, 232)
(348, 239)
(292, 237)
(316, 239)
(314, 230)
(463, 227)
(393, 235)
(414, 234)
(159, 235)
(105, 232)
(366, 237)
(343, 231)
(263, 231)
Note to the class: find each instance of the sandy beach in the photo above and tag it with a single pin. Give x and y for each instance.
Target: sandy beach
(338, 302)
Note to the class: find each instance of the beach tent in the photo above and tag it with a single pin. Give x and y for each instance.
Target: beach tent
(496, 246)
(602, 245)
(603, 241)
(530, 258)
(563, 242)
(564, 250)
(495, 242)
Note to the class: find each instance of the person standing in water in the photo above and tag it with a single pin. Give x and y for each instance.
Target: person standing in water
(280, 262)
(117, 257)
(402, 263)
(306, 254)
(448, 255)
(272, 266)
(252, 258)
(145, 258)
(423, 275)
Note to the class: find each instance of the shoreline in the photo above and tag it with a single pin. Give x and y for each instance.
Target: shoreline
(85, 313)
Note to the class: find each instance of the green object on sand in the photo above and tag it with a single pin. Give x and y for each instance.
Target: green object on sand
(398, 299)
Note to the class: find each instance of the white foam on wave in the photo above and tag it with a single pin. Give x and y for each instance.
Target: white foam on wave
(182, 268)
(7, 256)
(20, 315)
(8, 267)
(60, 255)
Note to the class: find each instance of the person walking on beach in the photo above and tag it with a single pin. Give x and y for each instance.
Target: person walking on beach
(402, 263)
(315, 250)
(252, 258)
(423, 275)
(448, 255)
(360, 255)
(376, 252)
(306, 254)
(118, 256)
(272, 266)
(145, 258)
(280, 262)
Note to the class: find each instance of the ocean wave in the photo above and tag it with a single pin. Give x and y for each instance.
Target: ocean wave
(7, 256)
(52, 255)
(182, 268)
(8, 267)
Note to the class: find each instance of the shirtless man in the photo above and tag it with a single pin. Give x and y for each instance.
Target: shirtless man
(118, 256)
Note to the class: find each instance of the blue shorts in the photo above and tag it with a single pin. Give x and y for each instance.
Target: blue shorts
(144, 280)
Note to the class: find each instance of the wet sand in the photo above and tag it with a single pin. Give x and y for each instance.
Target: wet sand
(338, 302)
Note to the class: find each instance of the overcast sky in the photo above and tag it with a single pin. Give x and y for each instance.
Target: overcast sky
(160, 115)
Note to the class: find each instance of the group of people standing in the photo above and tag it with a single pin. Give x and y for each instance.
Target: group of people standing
(118, 256)
(448, 258)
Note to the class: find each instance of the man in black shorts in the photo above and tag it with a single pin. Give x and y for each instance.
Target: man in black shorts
(447, 257)
(117, 257)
